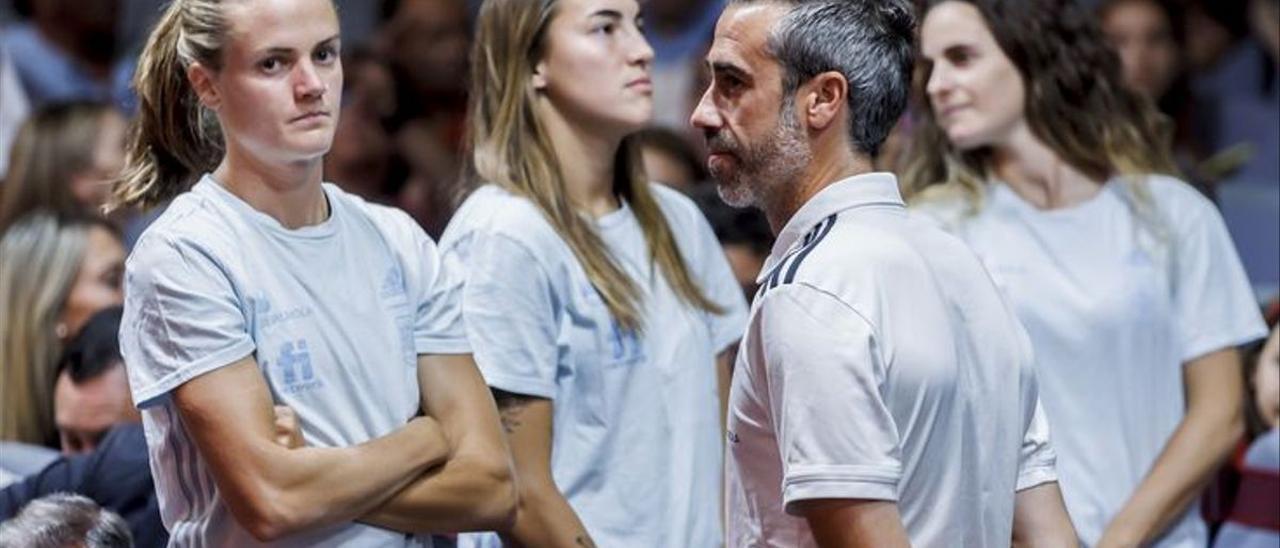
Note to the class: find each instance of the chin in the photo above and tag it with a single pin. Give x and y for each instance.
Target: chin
(965, 141)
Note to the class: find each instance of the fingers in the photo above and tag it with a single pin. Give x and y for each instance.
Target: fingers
(288, 430)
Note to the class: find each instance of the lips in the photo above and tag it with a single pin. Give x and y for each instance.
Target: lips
(641, 83)
(947, 112)
(311, 116)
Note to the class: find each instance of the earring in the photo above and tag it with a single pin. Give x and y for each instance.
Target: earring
(60, 330)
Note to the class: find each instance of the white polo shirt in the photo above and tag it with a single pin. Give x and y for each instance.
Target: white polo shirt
(880, 362)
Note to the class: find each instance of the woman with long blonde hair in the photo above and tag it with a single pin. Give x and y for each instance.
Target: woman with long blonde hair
(599, 305)
(1033, 151)
(261, 286)
(55, 272)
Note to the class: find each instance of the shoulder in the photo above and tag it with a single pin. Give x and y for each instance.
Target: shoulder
(389, 221)
(1175, 197)
(495, 212)
(836, 249)
(944, 206)
(677, 207)
(192, 225)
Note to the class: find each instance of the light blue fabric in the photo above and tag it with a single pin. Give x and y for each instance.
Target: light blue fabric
(636, 444)
(334, 314)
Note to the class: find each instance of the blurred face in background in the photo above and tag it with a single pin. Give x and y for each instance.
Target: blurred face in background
(92, 187)
(976, 93)
(99, 283)
(84, 412)
(428, 43)
(1142, 34)
(1266, 381)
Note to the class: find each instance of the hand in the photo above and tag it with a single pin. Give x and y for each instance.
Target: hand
(288, 429)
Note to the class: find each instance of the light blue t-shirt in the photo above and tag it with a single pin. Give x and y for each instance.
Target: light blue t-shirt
(335, 315)
(636, 444)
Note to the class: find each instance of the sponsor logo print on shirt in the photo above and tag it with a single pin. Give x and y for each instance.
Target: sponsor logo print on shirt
(293, 369)
(393, 282)
(267, 319)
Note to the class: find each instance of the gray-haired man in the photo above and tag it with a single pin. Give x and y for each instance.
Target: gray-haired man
(884, 394)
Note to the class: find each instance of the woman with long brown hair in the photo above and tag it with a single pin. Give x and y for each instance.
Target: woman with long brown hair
(64, 159)
(1033, 152)
(599, 305)
(261, 286)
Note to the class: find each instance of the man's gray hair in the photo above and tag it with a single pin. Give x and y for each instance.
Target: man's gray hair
(870, 42)
(63, 519)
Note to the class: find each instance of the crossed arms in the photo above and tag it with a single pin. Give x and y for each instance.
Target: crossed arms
(443, 472)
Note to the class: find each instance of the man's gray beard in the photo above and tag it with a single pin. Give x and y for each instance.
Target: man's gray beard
(775, 163)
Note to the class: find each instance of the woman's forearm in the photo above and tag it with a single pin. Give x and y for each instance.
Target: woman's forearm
(545, 519)
(299, 489)
(465, 494)
(1204, 439)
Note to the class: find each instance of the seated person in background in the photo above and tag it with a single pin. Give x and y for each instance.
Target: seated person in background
(105, 452)
(62, 520)
(1253, 521)
(92, 390)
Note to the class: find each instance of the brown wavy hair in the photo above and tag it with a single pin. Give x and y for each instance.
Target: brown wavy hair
(509, 146)
(53, 146)
(1076, 104)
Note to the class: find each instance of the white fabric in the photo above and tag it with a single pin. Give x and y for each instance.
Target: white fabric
(880, 362)
(1114, 310)
(335, 315)
(13, 108)
(636, 445)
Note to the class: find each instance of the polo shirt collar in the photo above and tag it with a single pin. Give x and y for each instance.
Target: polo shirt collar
(867, 189)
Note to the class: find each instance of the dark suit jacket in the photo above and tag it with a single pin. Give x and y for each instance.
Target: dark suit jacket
(116, 475)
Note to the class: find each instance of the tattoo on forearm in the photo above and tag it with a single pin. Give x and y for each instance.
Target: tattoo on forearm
(585, 542)
(510, 407)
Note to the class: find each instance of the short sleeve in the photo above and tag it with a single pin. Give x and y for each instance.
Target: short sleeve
(438, 324)
(182, 318)
(510, 314)
(823, 369)
(1212, 297)
(1036, 460)
(720, 285)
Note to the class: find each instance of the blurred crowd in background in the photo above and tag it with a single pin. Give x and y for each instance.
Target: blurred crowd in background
(1213, 67)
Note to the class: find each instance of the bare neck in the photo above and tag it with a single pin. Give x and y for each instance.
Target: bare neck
(1038, 175)
(586, 163)
(289, 193)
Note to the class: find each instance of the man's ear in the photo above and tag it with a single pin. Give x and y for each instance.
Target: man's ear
(201, 79)
(539, 78)
(825, 96)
